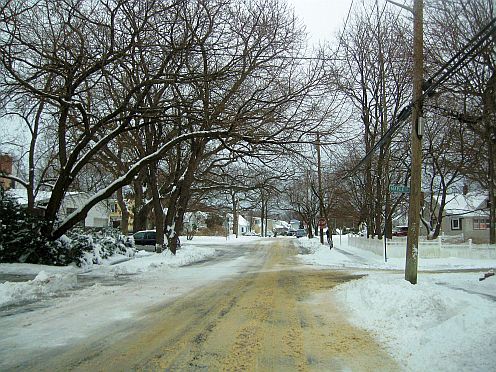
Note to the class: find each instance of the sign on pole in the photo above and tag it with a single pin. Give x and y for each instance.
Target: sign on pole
(399, 189)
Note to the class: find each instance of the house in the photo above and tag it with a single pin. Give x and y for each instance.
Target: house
(281, 228)
(6, 168)
(97, 217)
(467, 215)
(256, 225)
(295, 224)
(115, 215)
(243, 224)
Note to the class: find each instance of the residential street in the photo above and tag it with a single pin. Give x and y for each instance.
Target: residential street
(269, 317)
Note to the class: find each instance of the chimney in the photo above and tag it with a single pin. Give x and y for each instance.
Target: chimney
(6, 167)
(465, 189)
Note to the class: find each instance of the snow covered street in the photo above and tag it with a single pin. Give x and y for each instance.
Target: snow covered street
(445, 323)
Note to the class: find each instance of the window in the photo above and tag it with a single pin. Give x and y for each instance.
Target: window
(140, 235)
(481, 223)
(456, 224)
(151, 235)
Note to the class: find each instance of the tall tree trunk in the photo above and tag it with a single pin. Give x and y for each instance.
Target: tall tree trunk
(262, 217)
(235, 215)
(180, 198)
(492, 188)
(140, 209)
(124, 224)
(157, 208)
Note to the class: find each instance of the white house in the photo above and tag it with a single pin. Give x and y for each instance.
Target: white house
(282, 227)
(467, 215)
(294, 224)
(98, 216)
(243, 224)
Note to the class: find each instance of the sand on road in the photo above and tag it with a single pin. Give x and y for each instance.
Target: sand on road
(278, 318)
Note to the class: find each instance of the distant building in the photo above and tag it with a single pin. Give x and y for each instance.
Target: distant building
(116, 213)
(243, 224)
(295, 224)
(6, 168)
(256, 226)
(467, 215)
(97, 217)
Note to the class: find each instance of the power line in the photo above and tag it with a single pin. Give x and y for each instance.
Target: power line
(444, 73)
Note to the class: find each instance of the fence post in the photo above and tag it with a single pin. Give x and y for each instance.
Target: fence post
(470, 244)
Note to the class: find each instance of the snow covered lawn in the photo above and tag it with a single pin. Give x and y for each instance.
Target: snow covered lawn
(446, 322)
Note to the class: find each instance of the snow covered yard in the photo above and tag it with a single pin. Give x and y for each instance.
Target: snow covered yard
(447, 322)
(51, 280)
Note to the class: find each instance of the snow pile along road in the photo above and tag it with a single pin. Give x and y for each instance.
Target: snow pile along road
(44, 284)
(425, 324)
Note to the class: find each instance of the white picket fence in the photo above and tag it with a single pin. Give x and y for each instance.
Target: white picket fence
(396, 248)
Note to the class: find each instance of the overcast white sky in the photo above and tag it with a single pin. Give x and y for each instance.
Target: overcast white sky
(323, 18)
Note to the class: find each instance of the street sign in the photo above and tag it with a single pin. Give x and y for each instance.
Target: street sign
(399, 189)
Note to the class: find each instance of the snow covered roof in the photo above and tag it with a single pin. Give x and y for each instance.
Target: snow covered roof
(21, 195)
(469, 205)
(241, 220)
(282, 225)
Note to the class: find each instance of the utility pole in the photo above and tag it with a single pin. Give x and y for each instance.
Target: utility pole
(416, 137)
(319, 175)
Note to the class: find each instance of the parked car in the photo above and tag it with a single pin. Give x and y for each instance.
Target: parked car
(250, 233)
(400, 231)
(147, 240)
(146, 237)
(300, 233)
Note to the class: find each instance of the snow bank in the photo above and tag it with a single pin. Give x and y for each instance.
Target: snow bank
(44, 284)
(428, 324)
(186, 255)
(51, 280)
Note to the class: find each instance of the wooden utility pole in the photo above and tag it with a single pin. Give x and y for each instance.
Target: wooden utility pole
(319, 175)
(416, 136)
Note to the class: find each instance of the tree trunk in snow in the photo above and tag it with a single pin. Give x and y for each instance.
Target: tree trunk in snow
(124, 224)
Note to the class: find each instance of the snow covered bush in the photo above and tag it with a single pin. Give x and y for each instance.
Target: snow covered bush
(20, 237)
(89, 248)
(21, 240)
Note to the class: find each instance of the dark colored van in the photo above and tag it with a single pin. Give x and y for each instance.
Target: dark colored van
(147, 237)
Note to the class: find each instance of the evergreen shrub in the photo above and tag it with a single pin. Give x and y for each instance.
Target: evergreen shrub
(21, 240)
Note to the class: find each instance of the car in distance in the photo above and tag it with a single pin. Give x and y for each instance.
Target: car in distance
(145, 238)
(250, 233)
(400, 231)
(300, 233)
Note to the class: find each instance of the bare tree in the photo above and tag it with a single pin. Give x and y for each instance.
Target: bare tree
(446, 156)
(472, 88)
(372, 73)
